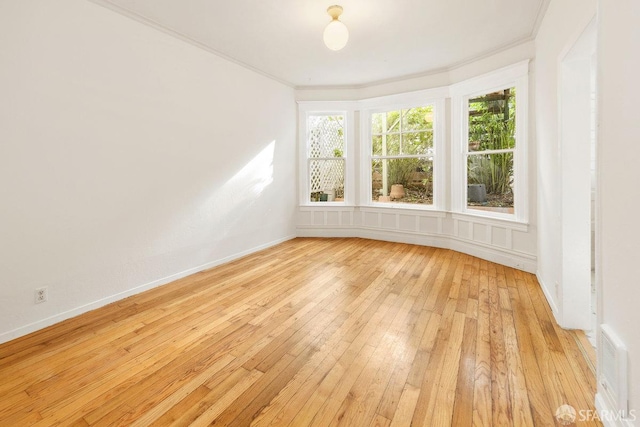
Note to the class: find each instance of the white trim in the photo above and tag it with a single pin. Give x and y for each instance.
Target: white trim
(439, 143)
(521, 196)
(43, 323)
(303, 166)
(458, 167)
(365, 184)
(477, 85)
(327, 206)
(405, 100)
(320, 107)
(403, 208)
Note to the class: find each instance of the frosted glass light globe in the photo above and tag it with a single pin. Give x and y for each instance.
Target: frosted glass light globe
(336, 35)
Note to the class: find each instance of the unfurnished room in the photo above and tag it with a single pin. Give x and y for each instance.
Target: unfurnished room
(307, 213)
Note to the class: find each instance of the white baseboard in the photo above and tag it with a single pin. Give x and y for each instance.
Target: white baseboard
(43, 323)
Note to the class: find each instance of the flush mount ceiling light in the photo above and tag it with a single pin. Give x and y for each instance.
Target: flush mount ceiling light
(336, 33)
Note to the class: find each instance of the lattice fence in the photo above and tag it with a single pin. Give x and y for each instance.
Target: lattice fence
(326, 148)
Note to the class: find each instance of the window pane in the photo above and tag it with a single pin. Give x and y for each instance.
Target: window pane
(391, 145)
(377, 120)
(402, 180)
(376, 145)
(418, 118)
(417, 143)
(327, 180)
(490, 182)
(326, 136)
(385, 122)
(492, 119)
(392, 121)
(378, 167)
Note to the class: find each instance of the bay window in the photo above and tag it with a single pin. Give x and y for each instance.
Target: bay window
(406, 160)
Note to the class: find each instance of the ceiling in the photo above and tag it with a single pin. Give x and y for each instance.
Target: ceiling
(389, 40)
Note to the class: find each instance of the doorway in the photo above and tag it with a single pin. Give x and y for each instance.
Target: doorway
(578, 106)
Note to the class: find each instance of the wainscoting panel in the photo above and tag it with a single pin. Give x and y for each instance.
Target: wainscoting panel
(499, 237)
(389, 221)
(334, 218)
(480, 233)
(371, 219)
(505, 242)
(408, 222)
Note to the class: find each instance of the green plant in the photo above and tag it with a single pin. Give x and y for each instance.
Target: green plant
(315, 196)
(492, 127)
(337, 152)
(495, 171)
(399, 171)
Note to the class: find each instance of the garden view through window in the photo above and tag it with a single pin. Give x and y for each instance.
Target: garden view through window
(325, 156)
(402, 154)
(490, 151)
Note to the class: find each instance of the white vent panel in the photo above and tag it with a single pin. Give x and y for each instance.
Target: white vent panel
(613, 369)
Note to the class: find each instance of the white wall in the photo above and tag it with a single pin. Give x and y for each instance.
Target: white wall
(562, 25)
(128, 158)
(619, 192)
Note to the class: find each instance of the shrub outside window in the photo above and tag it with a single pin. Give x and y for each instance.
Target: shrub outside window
(491, 146)
(402, 155)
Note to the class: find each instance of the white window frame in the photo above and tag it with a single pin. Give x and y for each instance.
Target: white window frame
(310, 108)
(435, 97)
(517, 76)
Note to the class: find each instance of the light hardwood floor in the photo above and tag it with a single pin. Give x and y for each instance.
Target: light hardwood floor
(312, 332)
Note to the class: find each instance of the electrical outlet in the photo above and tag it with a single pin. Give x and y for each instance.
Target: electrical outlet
(41, 295)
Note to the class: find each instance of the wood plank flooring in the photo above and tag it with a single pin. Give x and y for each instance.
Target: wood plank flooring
(312, 332)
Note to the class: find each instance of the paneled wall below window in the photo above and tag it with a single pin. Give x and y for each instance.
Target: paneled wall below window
(504, 242)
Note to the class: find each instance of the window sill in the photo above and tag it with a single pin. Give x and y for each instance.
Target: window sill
(382, 207)
(327, 205)
(430, 211)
